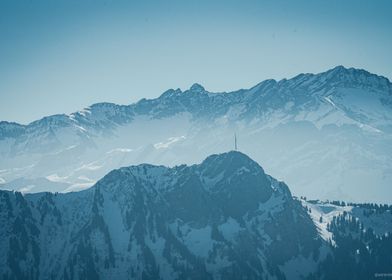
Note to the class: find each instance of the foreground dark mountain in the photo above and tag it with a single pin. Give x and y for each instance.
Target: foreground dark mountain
(328, 135)
(222, 219)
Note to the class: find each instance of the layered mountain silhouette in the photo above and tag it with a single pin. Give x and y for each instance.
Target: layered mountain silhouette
(224, 218)
(328, 135)
(221, 219)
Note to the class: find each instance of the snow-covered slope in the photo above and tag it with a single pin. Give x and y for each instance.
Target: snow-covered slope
(359, 238)
(328, 135)
(222, 219)
(369, 215)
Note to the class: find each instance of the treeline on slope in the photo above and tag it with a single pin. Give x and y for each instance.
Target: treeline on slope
(373, 208)
(357, 252)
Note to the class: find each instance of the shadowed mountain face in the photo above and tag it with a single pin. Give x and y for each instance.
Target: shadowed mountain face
(222, 219)
(328, 135)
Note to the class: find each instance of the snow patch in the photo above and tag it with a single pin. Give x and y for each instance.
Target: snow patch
(198, 241)
(326, 211)
(230, 229)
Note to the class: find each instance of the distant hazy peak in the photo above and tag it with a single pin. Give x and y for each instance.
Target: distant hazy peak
(103, 115)
(355, 75)
(196, 87)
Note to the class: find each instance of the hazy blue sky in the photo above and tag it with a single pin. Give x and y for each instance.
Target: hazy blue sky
(61, 56)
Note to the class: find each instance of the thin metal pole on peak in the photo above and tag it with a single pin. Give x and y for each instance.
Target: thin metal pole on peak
(235, 142)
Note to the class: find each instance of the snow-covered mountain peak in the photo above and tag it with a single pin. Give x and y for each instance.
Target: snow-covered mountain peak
(133, 179)
(263, 86)
(170, 93)
(230, 184)
(218, 172)
(10, 129)
(232, 162)
(197, 88)
(103, 106)
(339, 69)
(53, 120)
(353, 77)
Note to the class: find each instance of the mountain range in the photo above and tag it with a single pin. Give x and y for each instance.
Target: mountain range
(224, 218)
(327, 135)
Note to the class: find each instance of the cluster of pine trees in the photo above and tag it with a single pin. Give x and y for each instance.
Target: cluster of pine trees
(356, 253)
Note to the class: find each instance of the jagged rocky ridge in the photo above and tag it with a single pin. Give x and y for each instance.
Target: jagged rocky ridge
(304, 90)
(222, 219)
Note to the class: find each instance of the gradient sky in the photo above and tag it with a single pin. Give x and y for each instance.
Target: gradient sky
(60, 56)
